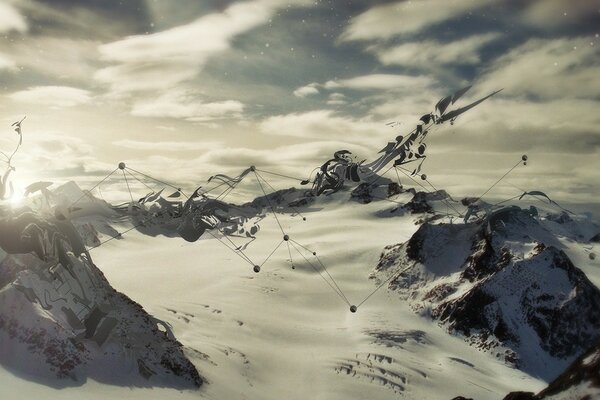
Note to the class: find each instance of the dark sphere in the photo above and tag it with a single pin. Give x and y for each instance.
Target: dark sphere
(121, 165)
(256, 269)
(524, 157)
(353, 309)
(424, 177)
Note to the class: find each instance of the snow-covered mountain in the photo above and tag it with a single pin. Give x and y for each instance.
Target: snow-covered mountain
(504, 284)
(61, 322)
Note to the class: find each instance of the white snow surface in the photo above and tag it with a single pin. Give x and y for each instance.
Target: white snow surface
(283, 333)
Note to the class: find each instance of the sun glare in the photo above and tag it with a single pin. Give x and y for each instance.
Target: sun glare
(16, 198)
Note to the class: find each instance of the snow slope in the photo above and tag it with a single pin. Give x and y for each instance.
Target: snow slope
(283, 333)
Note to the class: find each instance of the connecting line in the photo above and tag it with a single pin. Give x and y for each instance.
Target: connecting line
(140, 181)
(226, 192)
(127, 182)
(290, 253)
(504, 201)
(540, 199)
(314, 253)
(383, 283)
(273, 252)
(158, 180)
(94, 187)
(238, 249)
(216, 187)
(274, 190)
(448, 204)
(120, 234)
(426, 189)
(381, 176)
(498, 181)
(281, 175)
(233, 250)
(269, 202)
(341, 295)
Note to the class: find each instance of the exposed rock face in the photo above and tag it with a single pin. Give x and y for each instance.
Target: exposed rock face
(367, 192)
(60, 318)
(581, 380)
(504, 285)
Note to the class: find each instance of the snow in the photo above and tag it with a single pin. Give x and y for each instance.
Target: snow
(283, 333)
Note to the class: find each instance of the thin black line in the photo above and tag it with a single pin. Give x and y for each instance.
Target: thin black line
(445, 200)
(381, 175)
(504, 201)
(238, 248)
(290, 253)
(383, 283)
(503, 176)
(230, 189)
(274, 190)
(269, 202)
(120, 234)
(413, 179)
(127, 183)
(94, 187)
(282, 175)
(140, 181)
(158, 180)
(321, 275)
(273, 252)
(325, 269)
(225, 244)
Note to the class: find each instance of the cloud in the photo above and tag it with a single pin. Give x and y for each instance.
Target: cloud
(54, 96)
(556, 68)
(163, 59)
(321, 124)
(431, 53)
(337, 99)
(503, 125)
(381, 82)
(405, 17)
(6, 63)
(166, 146)
(307, 90)
(57, 58)
(11, 19)
(558, 13)
(181, 105)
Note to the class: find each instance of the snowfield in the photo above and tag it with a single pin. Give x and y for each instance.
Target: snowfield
(283, 332)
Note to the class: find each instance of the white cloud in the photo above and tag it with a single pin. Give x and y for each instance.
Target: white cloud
(558, 13)
(7, 63)
(321, 124)
(406, 17)
(556, 68)
(166, 145)
(382, 82)
(55, 57)
(11, 19)
(336, 99)
(430, 53)
(166, 58)
(54, 96)
(307, 90)
(181, 105)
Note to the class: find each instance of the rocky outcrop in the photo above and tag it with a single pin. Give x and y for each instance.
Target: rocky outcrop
(504, 284)
(61, 322)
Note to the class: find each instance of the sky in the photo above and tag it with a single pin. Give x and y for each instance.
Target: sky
(186, 89)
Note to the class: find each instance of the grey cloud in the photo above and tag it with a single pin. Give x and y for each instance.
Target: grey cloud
(405, 17)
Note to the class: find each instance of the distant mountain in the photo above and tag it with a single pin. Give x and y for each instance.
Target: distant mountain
(60, 317)
(504, 284)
